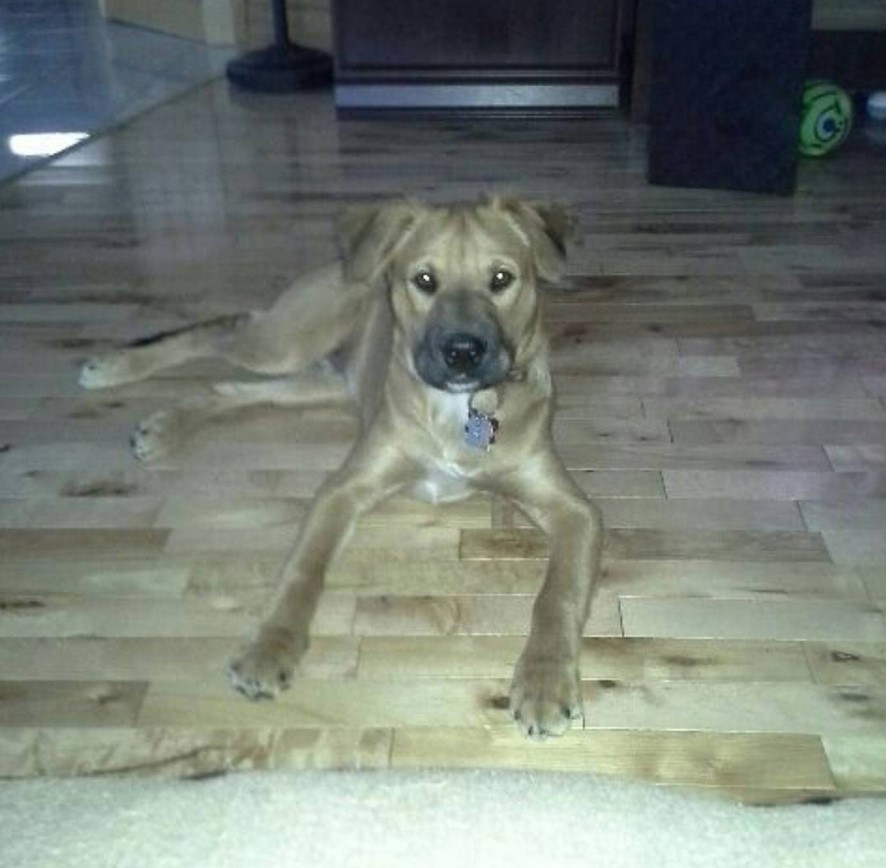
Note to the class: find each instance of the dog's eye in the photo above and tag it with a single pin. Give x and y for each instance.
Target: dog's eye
(425, 281)
(501, 279)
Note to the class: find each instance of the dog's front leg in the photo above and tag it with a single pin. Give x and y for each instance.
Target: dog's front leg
(266, 665)
(546, 691)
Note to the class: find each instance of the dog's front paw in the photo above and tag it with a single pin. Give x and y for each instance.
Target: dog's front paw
(102, 372)
(545, 695)
(265, 668)
(157, 436)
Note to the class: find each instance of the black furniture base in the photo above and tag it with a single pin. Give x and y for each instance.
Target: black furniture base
(280, 69)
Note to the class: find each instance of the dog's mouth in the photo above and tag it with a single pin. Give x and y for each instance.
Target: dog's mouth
(461, 384)
(437, 375)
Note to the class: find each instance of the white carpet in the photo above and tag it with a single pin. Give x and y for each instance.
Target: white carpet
(420, 820)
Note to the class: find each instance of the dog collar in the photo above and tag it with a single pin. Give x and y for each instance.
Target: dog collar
(481, 427)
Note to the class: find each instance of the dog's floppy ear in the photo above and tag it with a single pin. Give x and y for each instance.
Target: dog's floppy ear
(546, 228)
(370, 235)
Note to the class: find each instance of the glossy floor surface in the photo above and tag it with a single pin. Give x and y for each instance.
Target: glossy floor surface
(721, 361)
(64, 69)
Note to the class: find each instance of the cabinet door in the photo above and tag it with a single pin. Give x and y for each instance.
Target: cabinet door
(477, 38)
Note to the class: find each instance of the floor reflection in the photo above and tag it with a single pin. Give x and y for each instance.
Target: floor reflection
(64, 69)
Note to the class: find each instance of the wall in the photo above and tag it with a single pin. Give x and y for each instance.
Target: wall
(212, 21)
(848, 15)
(310, 22)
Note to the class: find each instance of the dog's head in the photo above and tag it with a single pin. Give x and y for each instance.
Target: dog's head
(462, 280)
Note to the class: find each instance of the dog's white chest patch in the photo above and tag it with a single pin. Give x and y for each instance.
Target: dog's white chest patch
(448, 476)
(437, 486)
(450, 409)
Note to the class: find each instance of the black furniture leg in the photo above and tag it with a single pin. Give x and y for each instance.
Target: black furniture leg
(283, 66)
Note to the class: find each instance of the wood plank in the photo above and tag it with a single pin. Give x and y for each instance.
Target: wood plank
(773, 485)
(371, 578)
(101, 703)
(186, 753)
(620, 659)
(14, 409)
(874, 578)
(619, 483)
(812, 432)
(503, 544)
(129, 479)
(329, 704)
(774, 707)
(714, 579)
(66, 313)
(708, 514)
(820, 309)
(633, 357)
(849, 663)
(813, 343)
(69, 616)
(181, 511)
(36, 385)
(461, 615)
(857, 457)
(725, 545)
(60, 431)
(763, 409)
(608, 430)
(26, 544)
(782, 620)
(108, 458)
(875, 385)
(597, 311)
(167, 658)
(856, 546)
(643, 544)
(50, 513)
(735, 760)
(432, 543)
(573, 403)
(593, 385)
(857, 762)
(668, 457)
(138, 578)
(586, 288)
(861, 514)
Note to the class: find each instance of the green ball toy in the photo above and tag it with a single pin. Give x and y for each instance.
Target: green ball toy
(826, 118)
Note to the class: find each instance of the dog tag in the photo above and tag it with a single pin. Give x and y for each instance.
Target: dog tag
(480, 430)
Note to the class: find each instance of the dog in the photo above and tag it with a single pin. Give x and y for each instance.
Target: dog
(431, 322)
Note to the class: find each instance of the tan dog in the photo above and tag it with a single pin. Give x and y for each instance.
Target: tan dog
(435, 320)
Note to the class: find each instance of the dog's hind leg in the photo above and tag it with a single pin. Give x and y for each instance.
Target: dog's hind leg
(145, 356)
(308, 322)
(161, 433)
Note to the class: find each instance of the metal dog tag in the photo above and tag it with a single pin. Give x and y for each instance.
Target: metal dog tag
(480, 430)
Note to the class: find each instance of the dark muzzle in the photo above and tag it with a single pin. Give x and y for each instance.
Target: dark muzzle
(463, 352)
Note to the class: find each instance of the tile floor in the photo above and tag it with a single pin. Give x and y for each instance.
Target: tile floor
(64, 69)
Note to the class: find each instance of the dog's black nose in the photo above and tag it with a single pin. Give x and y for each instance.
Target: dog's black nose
(463, 352)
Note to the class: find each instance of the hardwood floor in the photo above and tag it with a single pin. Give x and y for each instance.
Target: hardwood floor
(721, 360)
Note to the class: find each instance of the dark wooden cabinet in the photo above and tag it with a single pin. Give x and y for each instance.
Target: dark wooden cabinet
(726, 94)
(480, 54)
